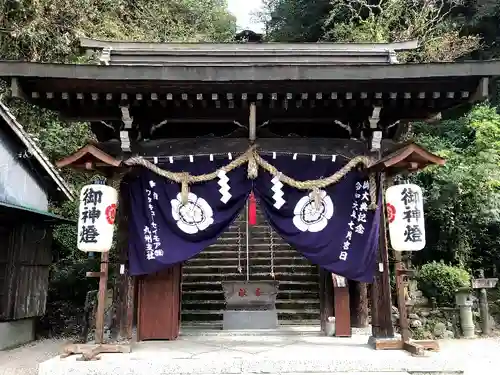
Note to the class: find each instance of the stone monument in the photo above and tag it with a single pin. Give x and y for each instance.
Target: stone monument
(250, 305)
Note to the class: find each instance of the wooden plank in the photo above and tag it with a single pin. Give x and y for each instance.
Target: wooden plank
(413, 348)
(326, 297)
(24, 272)
(384, 344)
(90, 351)
(480, 283)
(342, 310)
(431, 345)
(159, 305)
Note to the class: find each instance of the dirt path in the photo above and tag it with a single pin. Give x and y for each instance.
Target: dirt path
(25, 359)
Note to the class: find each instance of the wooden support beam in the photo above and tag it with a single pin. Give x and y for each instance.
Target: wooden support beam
(101, 299)
(359, 304)
(90, 352)
(124, 296)
(381, 289)
(403, 316)
(416, 347)
(101, 296)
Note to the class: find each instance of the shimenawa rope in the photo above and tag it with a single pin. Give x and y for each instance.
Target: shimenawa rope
(254, 160)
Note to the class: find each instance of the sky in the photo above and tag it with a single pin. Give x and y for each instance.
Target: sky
(242, 10)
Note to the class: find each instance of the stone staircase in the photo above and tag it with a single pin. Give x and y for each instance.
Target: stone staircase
(202, 296)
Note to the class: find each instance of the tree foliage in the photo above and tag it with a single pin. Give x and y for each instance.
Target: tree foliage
(463, 197)
(385, 21)
(432, 22)
(440, 281)
(49, 31)
(294, 20)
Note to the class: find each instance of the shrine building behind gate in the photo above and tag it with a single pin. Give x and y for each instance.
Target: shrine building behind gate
(163, 101)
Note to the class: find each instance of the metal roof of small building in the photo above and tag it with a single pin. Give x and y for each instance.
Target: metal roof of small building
(40, 158)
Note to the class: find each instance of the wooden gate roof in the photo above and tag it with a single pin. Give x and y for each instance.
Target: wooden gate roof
(93, 92)
(280, 54)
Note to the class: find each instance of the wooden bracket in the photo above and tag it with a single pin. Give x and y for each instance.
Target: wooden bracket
(95, 274)
(414, 347)
(90, 352)
(405, 272)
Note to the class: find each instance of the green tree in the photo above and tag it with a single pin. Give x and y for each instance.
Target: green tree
(463, 197)
(49, 31)
(384, 21)
(294, 20)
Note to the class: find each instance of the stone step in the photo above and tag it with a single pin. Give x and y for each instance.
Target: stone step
(282, 305)
(216, 315)
(203, 298)
(311, 285)
(192, 269)
(216, 326)
(211, 303)
(218, 294)
(258, 276)
(232, 253)
(263, 259)
(252, 248)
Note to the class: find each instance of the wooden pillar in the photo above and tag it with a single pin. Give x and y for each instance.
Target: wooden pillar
(325, 297)
(124, 288)
(342, 306)
(359, 304)
(403, 316)
(101, 298)
(381, 289)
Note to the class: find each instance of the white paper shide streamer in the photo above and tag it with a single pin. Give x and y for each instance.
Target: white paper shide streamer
(96, 218)
(224, 186)
(278, 192)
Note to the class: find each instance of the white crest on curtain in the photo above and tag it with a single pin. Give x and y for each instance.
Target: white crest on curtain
(194, 216)
(310, 217)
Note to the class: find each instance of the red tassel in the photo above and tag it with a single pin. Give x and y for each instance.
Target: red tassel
(252, 210)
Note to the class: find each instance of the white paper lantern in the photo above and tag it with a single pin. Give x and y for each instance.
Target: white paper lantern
(96, 218)
(405, 215)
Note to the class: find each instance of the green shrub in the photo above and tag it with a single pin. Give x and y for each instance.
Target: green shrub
(441, 281)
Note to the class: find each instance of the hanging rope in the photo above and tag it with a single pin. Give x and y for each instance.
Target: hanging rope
(271, 238)
(184, 178)
(240, 269)
(254, 160)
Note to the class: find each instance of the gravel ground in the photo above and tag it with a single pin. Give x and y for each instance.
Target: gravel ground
(24, 360)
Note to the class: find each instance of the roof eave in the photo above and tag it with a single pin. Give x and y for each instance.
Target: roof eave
(249, 72)
(34, 150)
(96, 44)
